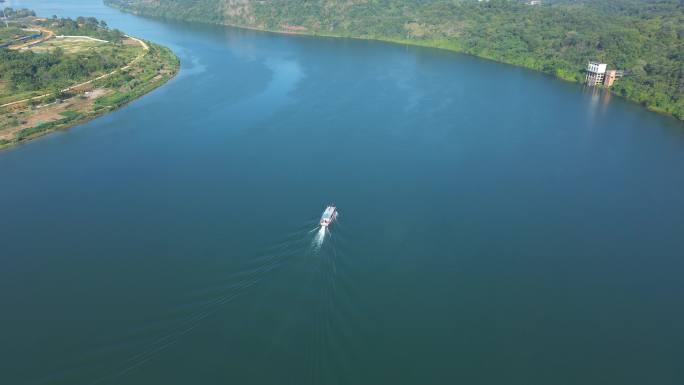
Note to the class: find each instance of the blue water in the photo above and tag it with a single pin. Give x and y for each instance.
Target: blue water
(497, 226)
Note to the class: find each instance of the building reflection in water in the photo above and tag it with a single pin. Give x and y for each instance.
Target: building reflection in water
(599, 99)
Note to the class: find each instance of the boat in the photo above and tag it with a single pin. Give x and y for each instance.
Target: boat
(329, 215)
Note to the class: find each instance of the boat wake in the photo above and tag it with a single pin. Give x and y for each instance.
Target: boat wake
(319, 238)
(309, 251)
(329, 215)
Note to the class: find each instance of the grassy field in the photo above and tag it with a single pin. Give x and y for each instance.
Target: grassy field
(129, 49)
(8, 34)
(69, 45)
(7, 95)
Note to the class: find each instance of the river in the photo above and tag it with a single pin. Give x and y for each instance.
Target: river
(497, 226)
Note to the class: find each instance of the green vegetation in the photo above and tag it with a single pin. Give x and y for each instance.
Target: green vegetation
(83, 26)
(30, 71)
(7, 35)
(155, 68)
(12, 13)
(69, 45)
(70, 114)
(128, 69)
(642, 37)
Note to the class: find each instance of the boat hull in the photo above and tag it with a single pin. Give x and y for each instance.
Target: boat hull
(328, 216)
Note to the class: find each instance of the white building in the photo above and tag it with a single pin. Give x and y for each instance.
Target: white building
(595, 73)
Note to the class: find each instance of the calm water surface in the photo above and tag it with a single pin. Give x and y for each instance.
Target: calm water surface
(497, 226)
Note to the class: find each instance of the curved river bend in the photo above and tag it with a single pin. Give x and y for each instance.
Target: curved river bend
(497, 226)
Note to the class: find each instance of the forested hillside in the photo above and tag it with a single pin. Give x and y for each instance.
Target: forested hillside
(642, 37)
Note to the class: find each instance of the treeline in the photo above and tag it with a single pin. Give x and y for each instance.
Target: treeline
(83, 26)
(642, 37)
(9, 34)
(12, 13)
(55, 70)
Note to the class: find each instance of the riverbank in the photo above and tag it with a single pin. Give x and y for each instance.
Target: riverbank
(555, 39)
(28, 115)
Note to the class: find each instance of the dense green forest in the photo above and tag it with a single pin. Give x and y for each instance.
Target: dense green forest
(29, 71)
(641, 37)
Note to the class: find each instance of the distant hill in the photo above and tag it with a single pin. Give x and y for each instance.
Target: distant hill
(642, 37)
